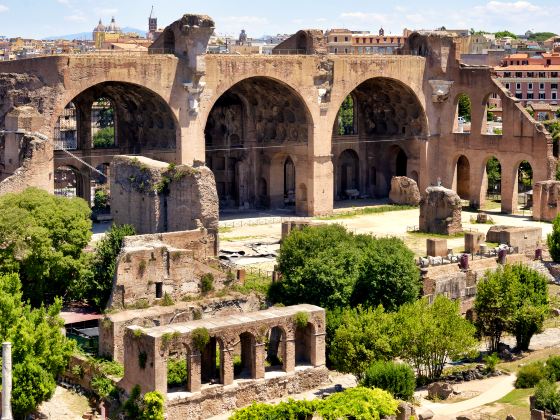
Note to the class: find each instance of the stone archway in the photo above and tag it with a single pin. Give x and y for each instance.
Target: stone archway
(249, 125)
(463, 178)
(401, 163)
(347, 174)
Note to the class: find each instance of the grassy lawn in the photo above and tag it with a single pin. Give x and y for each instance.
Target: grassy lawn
(417, 234)
(515, 403)
(533, 356)
(365, 211)
(492, 205)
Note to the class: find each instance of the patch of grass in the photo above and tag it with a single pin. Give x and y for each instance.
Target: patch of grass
(492, 205)
(537, 355)
(518, 397)
(239, 238)
(366, 210)
(434, 235)
(254, 284)
(225, 229)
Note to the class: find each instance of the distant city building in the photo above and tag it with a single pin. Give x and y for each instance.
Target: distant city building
(531, 78)
(106, 34)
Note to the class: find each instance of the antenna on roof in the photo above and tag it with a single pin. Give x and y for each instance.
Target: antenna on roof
(152, 11)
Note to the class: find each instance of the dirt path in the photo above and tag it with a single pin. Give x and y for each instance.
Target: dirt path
(495, 388)
(64, 405)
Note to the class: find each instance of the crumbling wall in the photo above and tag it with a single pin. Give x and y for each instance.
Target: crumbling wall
(112, 327)
(404, 191)
(156, 197)
(150, 270)
(306, 41)
(545, 200)
(525, 238)
(440, 211)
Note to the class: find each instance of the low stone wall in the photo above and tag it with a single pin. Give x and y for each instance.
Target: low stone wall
(525, 238)
(81, 371)
(219, 399)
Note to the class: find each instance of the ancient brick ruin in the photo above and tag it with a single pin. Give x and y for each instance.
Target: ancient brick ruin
(440, 211)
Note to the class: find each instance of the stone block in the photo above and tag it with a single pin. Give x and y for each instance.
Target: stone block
(439, 390)
(523, 237)
(440, 211)
(436, 247)
(404, 191)
(473, 241)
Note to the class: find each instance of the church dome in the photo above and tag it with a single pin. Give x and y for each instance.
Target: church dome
(113, 26)
(100, 27)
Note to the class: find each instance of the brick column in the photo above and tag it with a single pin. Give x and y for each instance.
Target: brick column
(290, 354)
(258, 361)
(193, 371)
(509, 188)
(226, 365)
(318, 345)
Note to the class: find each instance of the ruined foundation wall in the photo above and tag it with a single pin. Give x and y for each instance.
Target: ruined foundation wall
(215, 401)
(156, 197)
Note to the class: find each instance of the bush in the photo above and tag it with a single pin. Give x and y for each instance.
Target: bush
(358, 403)
(101, 199)
(491, 361)
(152, 406)
(301, 319)
(104, 137)
(103, 386)
(207, 283)
(396, 378)
(553, 368)
(176, 372)
(547, 397)
(289, 410)
(530, 375)
(553, 240)
(200, 338)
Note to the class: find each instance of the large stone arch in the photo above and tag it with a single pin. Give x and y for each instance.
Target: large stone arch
(388, 114)
(146, 124)
(249, 125)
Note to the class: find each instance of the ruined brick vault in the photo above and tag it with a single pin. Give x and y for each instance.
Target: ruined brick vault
(266, 126)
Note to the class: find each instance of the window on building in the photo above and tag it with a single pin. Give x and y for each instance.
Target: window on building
(554, 74)
(542, 74)
(336, 50)
(159, 290)
(345, 50)
(524, 62)
(541, 86)
(548, 62)
(542, 95)
(518, 86)
(518, 74)
(530, 86)
(530, 95)
(345, 39)
(554, 95)
(530, 74)
(518, 95)
(335, 39)
(507, 86)
(554, 86)
(507, 74)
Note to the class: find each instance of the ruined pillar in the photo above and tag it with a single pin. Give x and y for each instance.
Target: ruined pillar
(193, 371)
(317, 350)
(83, 125)
(7, 381)
(290, 354)
(226, 366)
(258, 361)
(509, 188)
(208, 361)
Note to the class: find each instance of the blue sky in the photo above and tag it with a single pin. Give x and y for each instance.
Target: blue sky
(41, 18)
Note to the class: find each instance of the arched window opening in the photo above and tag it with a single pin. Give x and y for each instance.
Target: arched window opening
(492, 122)
(525, 185)
(463, 178)
(275, 350)
(177, 371)
(289, 182)
(346, 120)
(100, 186)
(348, 174)
(401, 163)
(103, 124)
(462, 123)
(304, 344)
(212, 362)
(66, 129)
(244, 357)
(494, 176)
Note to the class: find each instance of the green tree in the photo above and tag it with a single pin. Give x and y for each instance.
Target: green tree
(541, 36)
(358, 403)
(96, 284)
(396, 378)
(104, 137)
(464, 107)
(40, 350)
(493, 173)
(388, 275)
(152, 406)
(330, 267)
(42, 238)
(364, 336)
(430, 334)
(513, 299)
(346, 117)
(547, 397)
(106, 113)
(504, 34)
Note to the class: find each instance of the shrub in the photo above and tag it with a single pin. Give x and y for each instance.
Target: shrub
(103, 386)
(131, 407)
(553, 368)
(101, 199)
(530, 375)
(491, 361)
(207, 283)
(152, 406)
(547, 397)
(167, 300)
(396, 378)
(301, 319)
(553, 240)
(176, 372)
(289, 410)
(358, 403)
(200, 338)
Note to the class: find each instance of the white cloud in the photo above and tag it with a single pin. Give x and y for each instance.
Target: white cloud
(107, 11)
(75, 18)
(3, 8)
(500, 7)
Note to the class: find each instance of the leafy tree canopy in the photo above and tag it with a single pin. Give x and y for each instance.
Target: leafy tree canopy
(330, 267)
(42, 237)
(504, 34)
(40, 352)
(541, 36)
